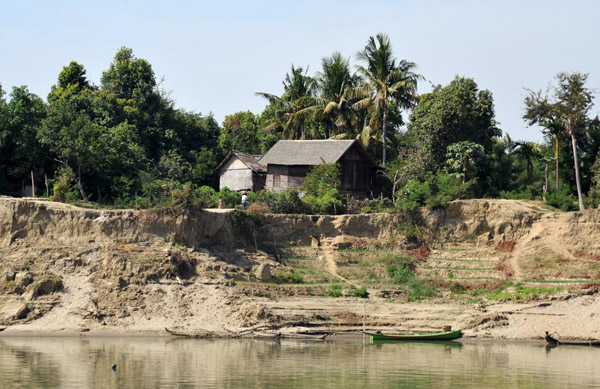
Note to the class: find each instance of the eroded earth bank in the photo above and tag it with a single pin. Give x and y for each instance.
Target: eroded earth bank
(495, 268)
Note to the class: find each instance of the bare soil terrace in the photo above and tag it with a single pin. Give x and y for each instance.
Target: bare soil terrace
(496, 268)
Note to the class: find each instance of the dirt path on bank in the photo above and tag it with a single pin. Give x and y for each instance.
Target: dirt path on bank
(328, 255)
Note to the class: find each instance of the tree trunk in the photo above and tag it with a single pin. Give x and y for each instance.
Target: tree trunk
(83, 195)
(32, 185)
(556, 159)
(545, 187)
(576, 162)
(384, 129)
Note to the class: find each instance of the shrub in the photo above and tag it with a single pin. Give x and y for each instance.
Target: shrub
(563, 199)
(436, 192)
(64, 187)
(361, 292)
(281, 202)
(377, 205)
(207, 197)
(334, 291)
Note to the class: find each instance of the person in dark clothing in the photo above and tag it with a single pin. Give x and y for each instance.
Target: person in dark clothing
(550, 339)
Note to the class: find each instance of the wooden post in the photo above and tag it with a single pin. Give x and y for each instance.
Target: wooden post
(46, 181)
(32, 185)
(364, 309)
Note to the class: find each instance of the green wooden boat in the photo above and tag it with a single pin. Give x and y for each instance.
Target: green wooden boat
(447, 335)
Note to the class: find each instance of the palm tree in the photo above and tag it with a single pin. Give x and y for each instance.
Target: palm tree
(336, 83)
(529, 152)
(295, 105)
(573, 102)
(385, 80)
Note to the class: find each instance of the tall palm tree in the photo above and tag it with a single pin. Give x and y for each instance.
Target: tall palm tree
(570, 108)
(336, 83)
(385, 80)
(295, 105)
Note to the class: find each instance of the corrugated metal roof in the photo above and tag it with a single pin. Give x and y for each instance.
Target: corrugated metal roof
(306, 152)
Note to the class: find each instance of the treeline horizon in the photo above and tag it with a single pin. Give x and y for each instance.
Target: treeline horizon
(123, 143)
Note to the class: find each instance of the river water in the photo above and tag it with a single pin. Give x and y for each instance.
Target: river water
(161, 362)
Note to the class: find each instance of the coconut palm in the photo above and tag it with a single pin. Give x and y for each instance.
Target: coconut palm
(384, 80)
(336, 83)
(295, 105)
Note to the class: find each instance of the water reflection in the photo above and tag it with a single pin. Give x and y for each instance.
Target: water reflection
(158, 362)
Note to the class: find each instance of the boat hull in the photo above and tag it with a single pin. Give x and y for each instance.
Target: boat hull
(447, 335)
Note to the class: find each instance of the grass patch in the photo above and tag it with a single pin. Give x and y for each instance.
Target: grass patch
(334, 291)
(562, 281)
(502, 291)
(376, 251)
(461, 259)
(457, 268)
(454, 250)
(401, 268)
(293, 278)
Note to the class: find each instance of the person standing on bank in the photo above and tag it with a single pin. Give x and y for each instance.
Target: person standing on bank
(244, 200)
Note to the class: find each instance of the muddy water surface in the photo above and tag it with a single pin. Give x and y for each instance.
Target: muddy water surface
(159, 362)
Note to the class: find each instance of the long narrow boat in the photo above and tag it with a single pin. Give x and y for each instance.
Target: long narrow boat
(446, 335)
(593, 343)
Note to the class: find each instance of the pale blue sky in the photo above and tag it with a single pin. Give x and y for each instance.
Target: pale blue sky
(215, 55)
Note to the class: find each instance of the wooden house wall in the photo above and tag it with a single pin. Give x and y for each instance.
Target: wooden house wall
(281, 177)
(356, 173)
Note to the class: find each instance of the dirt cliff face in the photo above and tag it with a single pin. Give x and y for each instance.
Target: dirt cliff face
(68, 268)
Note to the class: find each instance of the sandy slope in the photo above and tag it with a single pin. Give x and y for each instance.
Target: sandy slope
(131, 271)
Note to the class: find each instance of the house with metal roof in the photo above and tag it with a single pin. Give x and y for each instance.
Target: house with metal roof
(289, 161)
(242, 172)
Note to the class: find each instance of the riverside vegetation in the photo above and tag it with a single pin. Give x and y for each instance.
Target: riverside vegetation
(124, 144)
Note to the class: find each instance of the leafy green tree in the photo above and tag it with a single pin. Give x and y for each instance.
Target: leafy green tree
(25, 112)
(385, 80)
(132, 81)
(456, 113)
(71, 135)
(240, 132)
(72, 76)
(462, 158)
(570, 107)
(322, 189)
(295, 106)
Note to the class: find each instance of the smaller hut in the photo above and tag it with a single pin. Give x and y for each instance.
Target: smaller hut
(242, 172)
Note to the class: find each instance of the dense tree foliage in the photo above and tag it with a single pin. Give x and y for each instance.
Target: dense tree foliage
(124, 143)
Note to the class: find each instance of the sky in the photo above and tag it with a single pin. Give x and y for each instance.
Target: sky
(213, 56)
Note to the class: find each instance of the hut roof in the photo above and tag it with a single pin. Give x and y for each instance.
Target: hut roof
(309, 152)
(250, 160)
